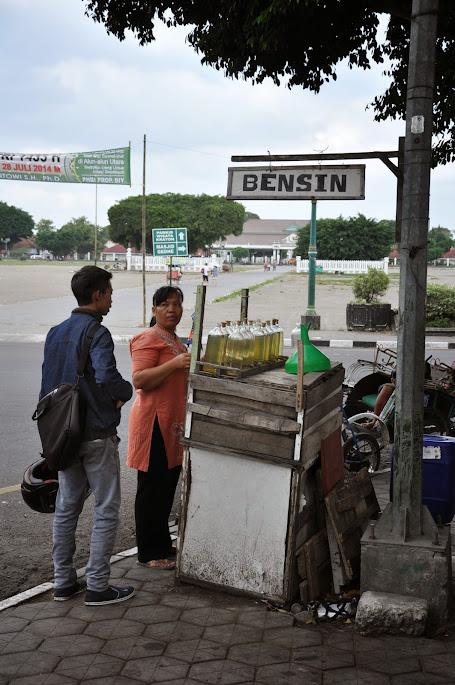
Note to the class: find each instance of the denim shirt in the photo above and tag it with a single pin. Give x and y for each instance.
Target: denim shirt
(102, 385)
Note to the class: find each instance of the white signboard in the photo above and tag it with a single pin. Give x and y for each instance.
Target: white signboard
(343, 182)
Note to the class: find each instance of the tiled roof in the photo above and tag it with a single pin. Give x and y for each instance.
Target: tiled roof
(266, 231)
(118, 249)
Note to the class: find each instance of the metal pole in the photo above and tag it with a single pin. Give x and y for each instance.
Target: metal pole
(96, 220)
(312, 254)
(144, 307)
(408, 515)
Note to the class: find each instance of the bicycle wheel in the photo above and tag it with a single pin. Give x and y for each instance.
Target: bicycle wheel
(435, 422)
(365, 453)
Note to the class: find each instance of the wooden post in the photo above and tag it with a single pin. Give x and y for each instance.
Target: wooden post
(300, 360)
(198, 324)
(244, 304)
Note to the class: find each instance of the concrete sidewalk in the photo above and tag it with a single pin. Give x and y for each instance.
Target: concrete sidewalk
(186, 635)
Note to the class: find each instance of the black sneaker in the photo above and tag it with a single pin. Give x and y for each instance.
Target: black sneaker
(110, 596)
(61, 594)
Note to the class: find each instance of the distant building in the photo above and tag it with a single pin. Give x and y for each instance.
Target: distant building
(114, 252)
(448, 257)
(265, 240)
(394, 256)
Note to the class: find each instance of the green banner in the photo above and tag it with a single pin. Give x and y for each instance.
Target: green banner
(105, 167)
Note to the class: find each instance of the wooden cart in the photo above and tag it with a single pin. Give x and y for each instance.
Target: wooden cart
(250, 499)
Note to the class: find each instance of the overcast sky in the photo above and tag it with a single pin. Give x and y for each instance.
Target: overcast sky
(69, 87)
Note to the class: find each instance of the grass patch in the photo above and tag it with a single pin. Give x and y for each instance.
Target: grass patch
(237, 293)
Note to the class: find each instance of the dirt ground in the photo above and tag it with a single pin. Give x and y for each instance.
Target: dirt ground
(40, 280)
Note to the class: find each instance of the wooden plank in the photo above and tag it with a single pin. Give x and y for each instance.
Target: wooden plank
(315, 413)
(303, 591)
(215, 432)
(311, 444)
(324, 386)
(338, 575)
(245, 418)
(228, 401)
(223, 386)
(349, 524)
(299, 397)
(317, 559)
(215, 450)
(291, 579)
(332, 463)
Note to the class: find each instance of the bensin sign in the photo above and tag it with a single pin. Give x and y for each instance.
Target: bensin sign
(297, 183)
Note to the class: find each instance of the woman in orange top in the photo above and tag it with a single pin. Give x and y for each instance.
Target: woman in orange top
(160, 371)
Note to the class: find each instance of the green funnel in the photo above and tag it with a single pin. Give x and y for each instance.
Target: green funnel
(313, 359)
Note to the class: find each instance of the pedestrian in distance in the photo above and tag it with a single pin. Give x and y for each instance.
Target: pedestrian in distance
(160, 372)
(103, 391)
(205, 274)
(215, 274)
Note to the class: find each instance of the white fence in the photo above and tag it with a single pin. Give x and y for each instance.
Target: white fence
(186, 264)
(343, 266)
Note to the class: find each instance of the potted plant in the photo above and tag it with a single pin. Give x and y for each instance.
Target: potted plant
(367, 313)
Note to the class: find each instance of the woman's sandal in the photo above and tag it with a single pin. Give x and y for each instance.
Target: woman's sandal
(165, 564)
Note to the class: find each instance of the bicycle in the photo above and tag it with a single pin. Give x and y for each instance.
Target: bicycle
(361, 449)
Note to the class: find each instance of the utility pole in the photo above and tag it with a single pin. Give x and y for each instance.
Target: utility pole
(312, 254)
(407, 553)
(144, 304)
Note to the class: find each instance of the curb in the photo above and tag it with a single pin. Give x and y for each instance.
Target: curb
(347, 344)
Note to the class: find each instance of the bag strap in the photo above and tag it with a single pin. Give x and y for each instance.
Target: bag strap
(85, 350)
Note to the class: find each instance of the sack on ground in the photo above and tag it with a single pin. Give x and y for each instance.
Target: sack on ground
(59, 425)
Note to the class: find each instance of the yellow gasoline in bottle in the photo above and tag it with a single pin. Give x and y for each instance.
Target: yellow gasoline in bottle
(281, 337)
(271, 332)
(235, 348)
(268, 341)
(214, 350)
(259, 342)
(248, 354)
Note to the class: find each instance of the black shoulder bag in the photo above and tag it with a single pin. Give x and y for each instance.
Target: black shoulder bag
(59, 417)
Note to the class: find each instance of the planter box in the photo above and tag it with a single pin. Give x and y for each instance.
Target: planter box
(368, 317)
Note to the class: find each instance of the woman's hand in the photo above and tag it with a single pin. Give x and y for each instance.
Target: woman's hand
(149, 379)
(182, 361)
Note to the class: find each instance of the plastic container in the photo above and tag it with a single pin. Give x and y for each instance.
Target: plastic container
(438, 477)
(313, 359)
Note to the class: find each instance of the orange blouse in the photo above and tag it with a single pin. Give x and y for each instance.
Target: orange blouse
(154, 347)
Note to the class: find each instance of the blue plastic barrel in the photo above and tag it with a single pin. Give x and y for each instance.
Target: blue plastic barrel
(438, 476)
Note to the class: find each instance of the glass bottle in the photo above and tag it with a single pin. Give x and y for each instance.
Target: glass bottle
(295, 337)
(259, 342)
(229, 327)
(226, 334)
(280, 338)
(249, 344)
(235, 349)
(214, 350)
(271, 332)
(268, 340)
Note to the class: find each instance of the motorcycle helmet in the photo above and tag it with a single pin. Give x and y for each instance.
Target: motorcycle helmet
(39, 487)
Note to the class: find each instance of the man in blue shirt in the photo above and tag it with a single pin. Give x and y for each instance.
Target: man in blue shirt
(103, 391)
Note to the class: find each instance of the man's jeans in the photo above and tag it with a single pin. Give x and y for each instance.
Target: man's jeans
(98, 465)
